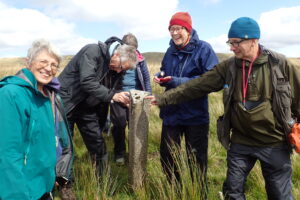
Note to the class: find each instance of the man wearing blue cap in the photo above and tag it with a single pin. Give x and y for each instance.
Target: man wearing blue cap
(260, 96)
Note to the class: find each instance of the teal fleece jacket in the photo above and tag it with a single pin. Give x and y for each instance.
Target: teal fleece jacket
(27, 139)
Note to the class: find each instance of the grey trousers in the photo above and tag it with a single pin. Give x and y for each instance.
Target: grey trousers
(276, 169)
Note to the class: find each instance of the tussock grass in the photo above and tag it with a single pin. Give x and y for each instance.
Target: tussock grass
(114, 184)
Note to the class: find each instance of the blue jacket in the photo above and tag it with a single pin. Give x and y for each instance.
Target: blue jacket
(196, 58)
(142, 75)
(27, 144)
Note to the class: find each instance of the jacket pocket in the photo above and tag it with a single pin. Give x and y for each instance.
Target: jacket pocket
(284, 96)
(284, 93)
(223, 132)
(259, 119)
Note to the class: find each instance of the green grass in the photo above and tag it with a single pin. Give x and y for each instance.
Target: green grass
(114, 184)
(156, 185)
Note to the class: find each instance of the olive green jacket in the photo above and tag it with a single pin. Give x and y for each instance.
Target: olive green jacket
(255, 126)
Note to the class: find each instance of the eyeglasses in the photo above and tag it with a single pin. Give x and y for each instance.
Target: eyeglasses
(46, 63)
(235, 43)
(177, 29)
(119, 67)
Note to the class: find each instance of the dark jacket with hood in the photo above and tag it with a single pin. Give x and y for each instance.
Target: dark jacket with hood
(87, 76)
(196, 58)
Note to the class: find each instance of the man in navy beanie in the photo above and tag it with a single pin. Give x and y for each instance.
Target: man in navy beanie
(261, 103)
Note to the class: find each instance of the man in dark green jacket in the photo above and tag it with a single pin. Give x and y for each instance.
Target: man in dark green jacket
(254, 131)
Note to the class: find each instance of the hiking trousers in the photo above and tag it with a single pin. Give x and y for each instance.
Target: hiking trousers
(119, 118)
(196, 140)
(275, 165)
(87, 120)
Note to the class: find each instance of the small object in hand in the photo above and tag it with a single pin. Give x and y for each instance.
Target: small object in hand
(294, 137)
(161, 74)
(166, 79)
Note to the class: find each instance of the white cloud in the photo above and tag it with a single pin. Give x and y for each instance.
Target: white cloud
(219, 44)
(282, 22)
(19, 27)
(280, 29)
(147, 19)
(56, 21)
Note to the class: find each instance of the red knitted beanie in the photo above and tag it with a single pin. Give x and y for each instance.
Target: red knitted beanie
(183, 19)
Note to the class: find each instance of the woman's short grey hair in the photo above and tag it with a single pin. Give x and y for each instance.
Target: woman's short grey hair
(130, 39)
(127, 53)
(42, 45)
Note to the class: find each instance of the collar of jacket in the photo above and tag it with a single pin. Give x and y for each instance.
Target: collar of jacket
(54, 85)
(26, 78)
(139, 56)
(261, 59)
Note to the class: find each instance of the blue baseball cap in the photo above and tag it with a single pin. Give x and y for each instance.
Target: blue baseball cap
(245, 28)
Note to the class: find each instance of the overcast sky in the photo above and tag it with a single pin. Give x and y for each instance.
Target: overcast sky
(70, 24)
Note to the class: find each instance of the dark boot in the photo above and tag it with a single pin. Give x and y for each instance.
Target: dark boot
(101, 165)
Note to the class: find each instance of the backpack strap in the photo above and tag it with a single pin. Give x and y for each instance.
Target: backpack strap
(281, 91)
(278, 62)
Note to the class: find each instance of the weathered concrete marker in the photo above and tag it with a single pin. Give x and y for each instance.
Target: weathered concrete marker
(138, 137)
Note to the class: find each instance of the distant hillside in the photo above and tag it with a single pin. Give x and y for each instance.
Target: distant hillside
(8, 62)
(151, 58)
(154, 57)
(21, 61)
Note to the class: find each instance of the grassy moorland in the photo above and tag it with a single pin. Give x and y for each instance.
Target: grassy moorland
(114, 185)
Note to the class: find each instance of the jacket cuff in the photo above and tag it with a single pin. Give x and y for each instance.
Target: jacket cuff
(161, 101)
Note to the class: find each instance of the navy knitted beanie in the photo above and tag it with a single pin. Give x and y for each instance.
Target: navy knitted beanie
(245, 28)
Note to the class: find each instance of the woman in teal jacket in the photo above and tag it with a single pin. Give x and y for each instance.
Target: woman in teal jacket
(27, 144)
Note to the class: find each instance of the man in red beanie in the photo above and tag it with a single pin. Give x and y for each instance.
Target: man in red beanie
(186, 59)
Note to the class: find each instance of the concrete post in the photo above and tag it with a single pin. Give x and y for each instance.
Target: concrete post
(138, 137)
